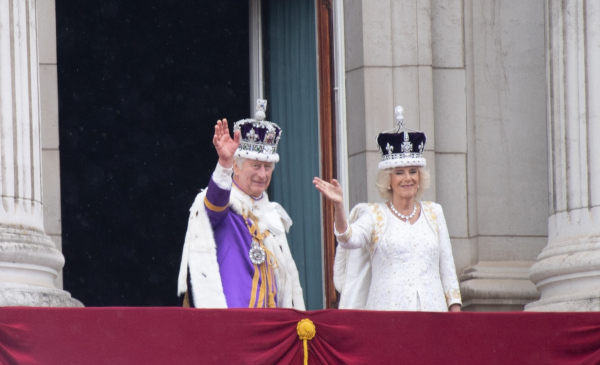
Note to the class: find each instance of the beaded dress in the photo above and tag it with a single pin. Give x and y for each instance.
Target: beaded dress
(412, 265)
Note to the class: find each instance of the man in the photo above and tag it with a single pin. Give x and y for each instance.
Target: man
(236, 253)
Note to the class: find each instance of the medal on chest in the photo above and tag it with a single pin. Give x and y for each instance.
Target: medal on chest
(257, 253)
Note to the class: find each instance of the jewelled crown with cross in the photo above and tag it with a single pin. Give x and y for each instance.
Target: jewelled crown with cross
(259, 138)
(399, 147)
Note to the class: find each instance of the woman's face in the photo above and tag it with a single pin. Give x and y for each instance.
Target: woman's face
(405, 182)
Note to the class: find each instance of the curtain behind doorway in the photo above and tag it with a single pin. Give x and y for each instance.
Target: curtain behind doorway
(292, 92)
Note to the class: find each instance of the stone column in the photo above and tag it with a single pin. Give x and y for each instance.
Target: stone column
(388, 63)
(567, 271)
(29, 260)
(490, 124)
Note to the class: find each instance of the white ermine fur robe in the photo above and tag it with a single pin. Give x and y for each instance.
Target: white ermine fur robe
(200, 252)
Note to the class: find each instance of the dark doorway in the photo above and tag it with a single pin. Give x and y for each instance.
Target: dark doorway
(141, 84)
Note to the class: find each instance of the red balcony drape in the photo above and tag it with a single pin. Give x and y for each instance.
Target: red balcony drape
(114, 335)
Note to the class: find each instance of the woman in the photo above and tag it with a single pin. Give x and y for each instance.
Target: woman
(406, 240)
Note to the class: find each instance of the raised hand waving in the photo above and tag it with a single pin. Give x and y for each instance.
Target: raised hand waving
(224, 144)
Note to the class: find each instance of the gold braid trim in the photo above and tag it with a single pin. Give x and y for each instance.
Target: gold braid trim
(213, 207)
(266, 271)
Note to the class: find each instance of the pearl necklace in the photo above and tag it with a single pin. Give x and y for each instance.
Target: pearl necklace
(406, 217)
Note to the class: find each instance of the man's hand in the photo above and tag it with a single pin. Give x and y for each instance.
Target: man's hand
(223, 143)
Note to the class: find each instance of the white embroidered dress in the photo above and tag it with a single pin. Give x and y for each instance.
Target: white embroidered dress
(412, 265)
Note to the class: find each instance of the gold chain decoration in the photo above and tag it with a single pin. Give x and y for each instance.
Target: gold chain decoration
(265, 270)
(254, 229)
(259, 237)
(306, 331)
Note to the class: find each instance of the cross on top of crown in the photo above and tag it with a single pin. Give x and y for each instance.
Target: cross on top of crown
(399, 111)
(261, 108)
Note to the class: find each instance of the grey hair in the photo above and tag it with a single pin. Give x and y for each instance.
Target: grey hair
(384, 179)
(238, 161)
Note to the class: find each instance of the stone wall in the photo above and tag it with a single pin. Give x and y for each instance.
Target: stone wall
(471, 75)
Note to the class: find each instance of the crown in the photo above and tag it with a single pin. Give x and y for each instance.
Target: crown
(401, 148)
(259, 137)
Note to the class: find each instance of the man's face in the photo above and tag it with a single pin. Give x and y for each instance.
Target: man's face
(253, 177)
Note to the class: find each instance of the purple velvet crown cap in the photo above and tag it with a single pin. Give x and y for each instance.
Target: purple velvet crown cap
(401, 148)
(259, 138)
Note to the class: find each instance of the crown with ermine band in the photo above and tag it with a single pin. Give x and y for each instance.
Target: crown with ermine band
(259, 137)
(401, 147)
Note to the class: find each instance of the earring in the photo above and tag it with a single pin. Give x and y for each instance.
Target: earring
(389, 188)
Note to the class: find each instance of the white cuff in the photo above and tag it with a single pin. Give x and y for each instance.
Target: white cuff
(222, 177)
(344, 236)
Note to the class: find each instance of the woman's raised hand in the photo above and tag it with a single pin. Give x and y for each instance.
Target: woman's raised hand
(224, 144)
(332, 191)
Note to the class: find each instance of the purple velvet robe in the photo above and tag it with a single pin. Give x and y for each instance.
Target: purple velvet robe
(233, 242)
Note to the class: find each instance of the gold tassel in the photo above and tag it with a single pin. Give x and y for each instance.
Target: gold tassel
(306, 331)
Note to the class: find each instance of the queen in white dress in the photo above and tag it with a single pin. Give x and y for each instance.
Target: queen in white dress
(394, 255)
